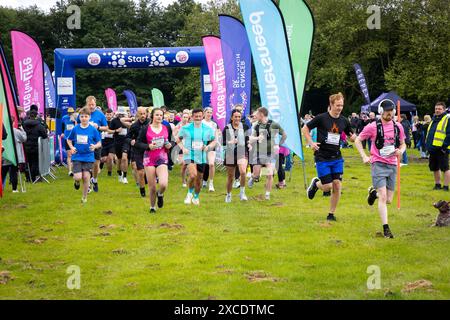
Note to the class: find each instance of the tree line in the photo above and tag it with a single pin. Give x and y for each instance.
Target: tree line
(409, 53)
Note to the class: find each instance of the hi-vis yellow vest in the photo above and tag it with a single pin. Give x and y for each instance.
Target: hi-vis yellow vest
(440, 134)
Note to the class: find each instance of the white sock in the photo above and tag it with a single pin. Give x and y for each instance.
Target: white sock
(242, 190)
(267, 193)
(229, 194)
(160, 194)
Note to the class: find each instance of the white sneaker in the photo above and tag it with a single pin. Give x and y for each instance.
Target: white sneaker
(204, 184)
(83, 200)
(250, 182)
(267, 196)
(236, 184)
(70, 173)
(120, 179)
(211, 187)
(243, 197)
(184, 185)
(228, 198)
(124, 180)
(188, 198)
(196, 201)
(15, 191)
(403, 164)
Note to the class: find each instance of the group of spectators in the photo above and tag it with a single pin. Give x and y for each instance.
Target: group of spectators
(28, 128)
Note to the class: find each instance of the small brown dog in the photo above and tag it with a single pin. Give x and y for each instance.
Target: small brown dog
(443, 218)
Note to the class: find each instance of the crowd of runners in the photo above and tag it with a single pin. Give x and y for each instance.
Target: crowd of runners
(153, 140)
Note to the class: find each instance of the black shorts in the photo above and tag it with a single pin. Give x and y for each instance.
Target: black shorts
(66, 145)
(121, 148)
(107, 149)
(200, 166)
(438, 161)
(98, 154)
(139, 159)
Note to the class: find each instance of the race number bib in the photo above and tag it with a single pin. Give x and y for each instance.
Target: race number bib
(387, 151)
(82, 139)
(159, 142)
(69, 127)
(333, 138)
(107, 135)
(197, 145)
(123, 132)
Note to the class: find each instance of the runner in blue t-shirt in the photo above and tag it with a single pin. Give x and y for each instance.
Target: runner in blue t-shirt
(68, 123)
(98, 121)
(83, 141)
(196, 139)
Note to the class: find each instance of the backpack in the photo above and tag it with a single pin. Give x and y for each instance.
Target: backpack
(269, 123)
(379, 141)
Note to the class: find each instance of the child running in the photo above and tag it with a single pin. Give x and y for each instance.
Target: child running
(83, 140)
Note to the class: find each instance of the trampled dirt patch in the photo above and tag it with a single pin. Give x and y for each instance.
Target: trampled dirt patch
(277, 204)
(5, 277)
(418, 285)
(38, 240)
(171, 226)
(103, 234)
(59, 222)
(108, 212)
(259, 197)
(120, 251)
(111, 226)
(260, 275)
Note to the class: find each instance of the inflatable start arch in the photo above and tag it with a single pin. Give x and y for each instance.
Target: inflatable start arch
(68, 60)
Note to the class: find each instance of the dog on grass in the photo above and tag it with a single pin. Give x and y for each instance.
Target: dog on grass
(443, 218)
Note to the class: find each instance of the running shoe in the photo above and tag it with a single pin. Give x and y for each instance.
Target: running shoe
(236, 184)
(388, 234)
(243, 197)
(196, 201)
(109, 173)
(228, 198)
(267, 196)
(250, 182)
(152, 210)
(211, 187)
(327, 193)
(70, 174)
(76, 185)
(95, 186)
(184, 185)
(312, 189)
(160, 201)
(205, 184)
(331, 217)
(124, 180)
(15, 191)
(372, 196)
(83, 200)
(142, 191)
(120, 179)
(188, 199)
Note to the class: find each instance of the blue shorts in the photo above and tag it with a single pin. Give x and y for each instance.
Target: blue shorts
(327, 171)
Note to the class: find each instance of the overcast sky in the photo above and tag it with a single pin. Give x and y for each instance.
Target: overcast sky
(47, 4)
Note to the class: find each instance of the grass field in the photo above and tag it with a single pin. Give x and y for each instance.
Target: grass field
(277, 249)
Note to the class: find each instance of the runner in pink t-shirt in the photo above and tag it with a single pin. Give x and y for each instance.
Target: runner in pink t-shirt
(387, 146)
(156, 144)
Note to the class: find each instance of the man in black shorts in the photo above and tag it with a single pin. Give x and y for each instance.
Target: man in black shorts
(438, 145)
(121, 145)
(137, 156)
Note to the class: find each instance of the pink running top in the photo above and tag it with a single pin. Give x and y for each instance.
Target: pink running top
(156, 157)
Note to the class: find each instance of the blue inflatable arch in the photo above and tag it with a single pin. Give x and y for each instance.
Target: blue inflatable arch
(68, 60)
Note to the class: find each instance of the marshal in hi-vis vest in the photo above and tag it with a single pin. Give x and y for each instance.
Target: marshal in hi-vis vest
(440, 134)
